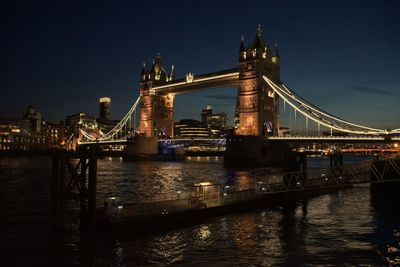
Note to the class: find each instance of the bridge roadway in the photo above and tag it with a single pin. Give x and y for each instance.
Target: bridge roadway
(336, 139)
(297, 139)
(172, 140)
(225, 78)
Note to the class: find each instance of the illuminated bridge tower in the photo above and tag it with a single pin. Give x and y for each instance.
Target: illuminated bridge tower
(257, 108)
(156, 110)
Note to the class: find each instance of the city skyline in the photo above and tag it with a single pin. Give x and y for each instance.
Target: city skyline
(62, 58)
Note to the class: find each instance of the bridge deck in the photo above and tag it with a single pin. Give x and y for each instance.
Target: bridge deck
(335, 139)
(298, 139)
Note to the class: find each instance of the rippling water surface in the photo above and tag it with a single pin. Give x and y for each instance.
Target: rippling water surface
(345, 228)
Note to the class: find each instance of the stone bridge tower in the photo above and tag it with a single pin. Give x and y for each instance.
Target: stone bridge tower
(257, 111)
(156, 110)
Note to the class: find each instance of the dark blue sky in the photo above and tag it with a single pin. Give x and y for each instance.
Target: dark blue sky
(343, 56)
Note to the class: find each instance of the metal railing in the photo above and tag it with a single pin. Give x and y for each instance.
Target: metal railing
(265, 182)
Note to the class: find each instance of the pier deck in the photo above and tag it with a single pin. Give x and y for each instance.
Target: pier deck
(206, 199)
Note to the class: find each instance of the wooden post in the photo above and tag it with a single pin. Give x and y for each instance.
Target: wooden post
(83, 194)
(54, 181)
(58, 200)
(61, 193)
(304, 167)
(92, 187)
(54, 197)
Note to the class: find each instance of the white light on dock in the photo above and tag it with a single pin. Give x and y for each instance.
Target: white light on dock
(203, 184)
(109, 158)
(120, 207)
(112, 198)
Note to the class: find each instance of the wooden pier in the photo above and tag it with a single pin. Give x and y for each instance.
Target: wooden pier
(75, 178)
(270, 188)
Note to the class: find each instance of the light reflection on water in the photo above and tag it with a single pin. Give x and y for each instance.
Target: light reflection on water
(147, 181)
(339, 229)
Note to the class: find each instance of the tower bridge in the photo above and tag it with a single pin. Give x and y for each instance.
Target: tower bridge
(257, 112)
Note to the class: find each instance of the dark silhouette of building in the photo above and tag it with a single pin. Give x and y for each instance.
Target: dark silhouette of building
(216, 122)
(206, 115)
(35, 117)
(29, 133)
(105, 109)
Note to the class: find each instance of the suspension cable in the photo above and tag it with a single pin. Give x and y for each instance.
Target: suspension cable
(286, 96)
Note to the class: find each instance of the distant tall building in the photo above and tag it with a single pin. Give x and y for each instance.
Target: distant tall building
(35, 118)
(218, 124)
(105, 108)
(206, 115)
(215, 122)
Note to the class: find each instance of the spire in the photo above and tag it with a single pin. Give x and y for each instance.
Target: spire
(157, 69)
(258, 31)
(172, 75)
(276, 52)
(258, 40)
(152, 67)
(143, 69)
(143, 73)
(275, 57)
(242, 46)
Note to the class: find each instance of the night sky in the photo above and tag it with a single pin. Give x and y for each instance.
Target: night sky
(343, 56)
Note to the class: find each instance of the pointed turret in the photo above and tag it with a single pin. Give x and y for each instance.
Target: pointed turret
(275, 56)
(242, 50)
(156, 68)
(258, 40)
(152, 67)
(276, 52)
(172, 75)
(242, 46)
(143, 73)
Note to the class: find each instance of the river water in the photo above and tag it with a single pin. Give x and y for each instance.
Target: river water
(345, 228)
